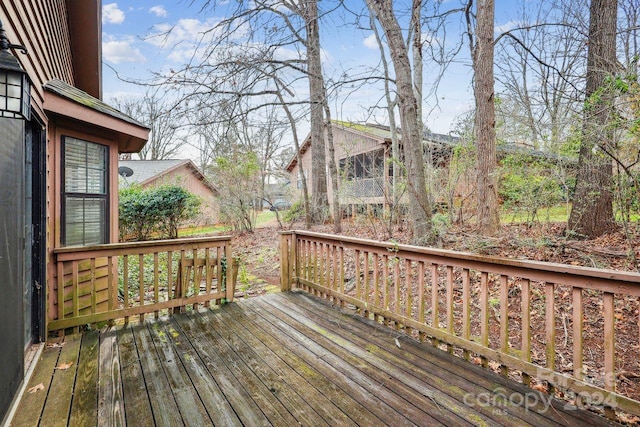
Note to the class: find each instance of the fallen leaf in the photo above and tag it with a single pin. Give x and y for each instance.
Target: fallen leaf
(35, 388)
(539, 387)
(55, 344)
(64, 366)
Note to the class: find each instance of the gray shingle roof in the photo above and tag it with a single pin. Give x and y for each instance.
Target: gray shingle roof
(144, 170)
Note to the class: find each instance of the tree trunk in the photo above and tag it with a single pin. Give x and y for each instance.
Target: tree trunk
(592, 210)
(419, 206)
(333, 168)
(394, 202)
(485, 121)
(319, 198)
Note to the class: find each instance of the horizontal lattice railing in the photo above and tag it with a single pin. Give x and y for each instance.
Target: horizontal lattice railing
(112, 281)
(545, 324)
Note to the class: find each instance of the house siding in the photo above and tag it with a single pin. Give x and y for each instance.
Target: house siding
(185, 178)
(347, 142)
(43, 28)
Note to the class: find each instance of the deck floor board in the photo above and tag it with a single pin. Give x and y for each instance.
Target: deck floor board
(280, 359)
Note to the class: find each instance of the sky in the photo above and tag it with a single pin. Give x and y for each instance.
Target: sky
(132, 49)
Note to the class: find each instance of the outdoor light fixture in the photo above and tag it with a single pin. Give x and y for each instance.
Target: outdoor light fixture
(15, 98)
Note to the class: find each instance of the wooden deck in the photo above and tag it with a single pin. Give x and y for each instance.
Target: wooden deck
(282, 359)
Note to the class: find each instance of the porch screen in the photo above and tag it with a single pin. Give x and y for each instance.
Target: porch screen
(84, 193)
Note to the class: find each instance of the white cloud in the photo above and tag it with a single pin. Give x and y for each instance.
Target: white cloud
(111, 14)
(189, 39)
(119, 51)
(508, 26)
(159, 11)
(370, 42)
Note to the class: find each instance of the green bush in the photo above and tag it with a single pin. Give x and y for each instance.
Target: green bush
(160, 209)
(528, 184)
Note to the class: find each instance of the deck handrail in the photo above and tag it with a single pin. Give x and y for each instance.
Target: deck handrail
(394, 284)
(102, 282)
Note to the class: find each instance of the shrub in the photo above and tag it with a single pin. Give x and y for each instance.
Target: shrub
(160, 209)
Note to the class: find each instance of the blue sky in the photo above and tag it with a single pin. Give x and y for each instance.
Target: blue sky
(132, 50)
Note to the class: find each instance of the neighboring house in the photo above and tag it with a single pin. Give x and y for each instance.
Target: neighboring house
(58, 165)
(278, 194)
(184, 173)
(363, 155)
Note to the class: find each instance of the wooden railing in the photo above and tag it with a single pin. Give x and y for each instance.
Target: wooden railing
(362, 187)
(547, 325)
(114, 281)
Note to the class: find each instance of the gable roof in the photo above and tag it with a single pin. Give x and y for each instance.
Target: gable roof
(147, 171)
(381, 133)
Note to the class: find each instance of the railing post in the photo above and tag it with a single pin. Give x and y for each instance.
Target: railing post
(230, 279)
(286, 261)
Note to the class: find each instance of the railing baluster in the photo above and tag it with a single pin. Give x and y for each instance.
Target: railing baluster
(450, 304)
(75, 292)
(550, 326)
(365, 296)
(208, 273)
(526, 327)
(141, 283)
(170, 284)
(421, 296)
(376, 284)
(316, 273)
(609, 349)
(484, 314)
(435, 321)
(341, 251)
(385, 283)
(578, 324)
(466, 309)
(504, 320)
(156, 284)
(336, 267)
(357, 278)
(125, 281)
(409, 292)
(396, 287)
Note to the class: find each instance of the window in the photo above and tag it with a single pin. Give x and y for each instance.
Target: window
(84, 193)
(299, 182)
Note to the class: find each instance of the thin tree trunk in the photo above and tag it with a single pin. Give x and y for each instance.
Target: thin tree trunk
(296, 143)
(333, 169)
(419, 206)
(592, 210)
(393, 128)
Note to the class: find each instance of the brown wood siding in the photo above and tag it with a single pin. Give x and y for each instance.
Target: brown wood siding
(56, 130)
(347, 143)
(42, 27)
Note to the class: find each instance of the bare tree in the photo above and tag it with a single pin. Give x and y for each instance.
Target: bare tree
(592, 210)
(163, 119)
(419, 205)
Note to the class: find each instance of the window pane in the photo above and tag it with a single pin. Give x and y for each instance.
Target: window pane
(85, 221)
(85, 187)
(85, 167)
(95, 182)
